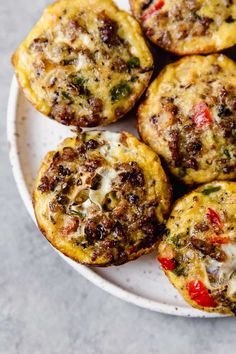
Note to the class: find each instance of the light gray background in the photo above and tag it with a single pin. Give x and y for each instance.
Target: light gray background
(45, 306)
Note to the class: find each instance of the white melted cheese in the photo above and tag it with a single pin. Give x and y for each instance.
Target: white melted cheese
(230, 267)
(113, 149)
(231, 291)
(83, 62)
(86, 40)
(97, 196)
(225, 270)
(86, 205)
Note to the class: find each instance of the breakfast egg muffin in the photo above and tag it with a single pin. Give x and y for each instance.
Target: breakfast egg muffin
(85, 63)
(198, 253)
(189, 118)
(102, 198)
(188, 26)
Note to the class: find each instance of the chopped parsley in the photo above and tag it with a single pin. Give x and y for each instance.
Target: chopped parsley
(133, 63)
(120, 91)
(134, 78)
(210, 190)
(80, 84)
(179, 240)
(179, 270)
(227, 154)
(67, 96)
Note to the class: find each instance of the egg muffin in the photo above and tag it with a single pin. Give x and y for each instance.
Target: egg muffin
(188, 26)
(85, 63)
(198, 253)
(189, 118)
(102, 198)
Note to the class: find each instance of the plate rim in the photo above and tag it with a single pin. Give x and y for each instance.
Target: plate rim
(86, 272)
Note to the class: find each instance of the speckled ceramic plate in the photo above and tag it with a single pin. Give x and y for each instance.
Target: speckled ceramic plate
(30, 136)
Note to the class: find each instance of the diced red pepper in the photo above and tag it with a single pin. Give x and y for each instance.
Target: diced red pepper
(219, 239)
(167, 264)
(151, 10)
(199, 293)
(214, 219)
(201, 115)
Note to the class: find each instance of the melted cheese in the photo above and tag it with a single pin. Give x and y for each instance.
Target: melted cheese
(231, 291)
(98, 196)
(229, 267)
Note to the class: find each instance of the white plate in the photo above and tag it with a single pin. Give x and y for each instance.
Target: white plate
(30, 136)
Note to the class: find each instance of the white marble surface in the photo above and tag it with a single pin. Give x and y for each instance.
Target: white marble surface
(47, 308)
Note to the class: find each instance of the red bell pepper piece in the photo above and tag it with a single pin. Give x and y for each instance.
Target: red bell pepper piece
(214, 219)
(199, 293)
(219, 239)
(167, 264)
(151, 10)
(201, 115)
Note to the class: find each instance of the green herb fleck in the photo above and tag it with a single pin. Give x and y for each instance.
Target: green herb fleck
(227, 154)
(80, 83)
(179, 240)
(179, 270)
(134, 78)
(133, 63)
(66, 62)
(67, 96)
(120, 91)
(76, 213)
(77, 80)
(210, 190)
